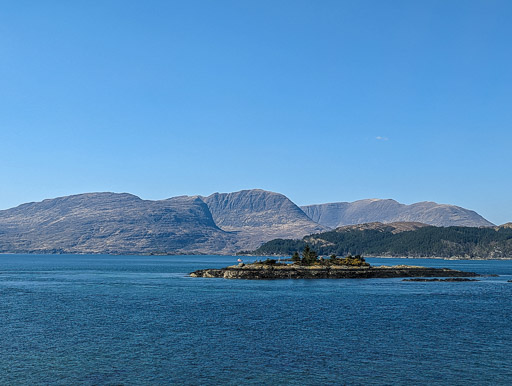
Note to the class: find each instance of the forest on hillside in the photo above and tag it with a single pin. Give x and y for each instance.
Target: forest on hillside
(430, 241)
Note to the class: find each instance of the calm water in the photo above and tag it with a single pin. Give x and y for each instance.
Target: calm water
(141, 320)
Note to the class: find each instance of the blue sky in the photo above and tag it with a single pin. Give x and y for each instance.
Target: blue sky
(322, 101)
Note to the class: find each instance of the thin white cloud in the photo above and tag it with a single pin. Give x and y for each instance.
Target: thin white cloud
(379, 138)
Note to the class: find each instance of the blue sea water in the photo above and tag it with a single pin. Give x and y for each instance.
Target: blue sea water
(141, 320)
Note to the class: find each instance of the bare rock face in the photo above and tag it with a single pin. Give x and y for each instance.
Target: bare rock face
(112, 223)
(258, 216)
(338, 214)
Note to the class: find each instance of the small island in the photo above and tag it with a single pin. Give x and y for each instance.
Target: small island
(310, 266)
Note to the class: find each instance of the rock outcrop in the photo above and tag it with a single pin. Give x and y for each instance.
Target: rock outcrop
(338, 214)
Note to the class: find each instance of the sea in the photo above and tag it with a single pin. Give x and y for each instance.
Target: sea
(141, 320)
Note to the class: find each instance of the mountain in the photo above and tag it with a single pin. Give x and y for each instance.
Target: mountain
(222, 223)
(112, 223)
(338, 214)
(402, 240)
(257, 216)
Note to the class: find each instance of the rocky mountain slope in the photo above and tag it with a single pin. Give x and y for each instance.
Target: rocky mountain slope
(257, 216)
(337, 214)
(112, 223)
(222, 223)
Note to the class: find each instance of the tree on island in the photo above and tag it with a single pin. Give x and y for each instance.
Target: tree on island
(309, 256)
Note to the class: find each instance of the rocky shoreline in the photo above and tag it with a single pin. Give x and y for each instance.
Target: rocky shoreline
(264, 272)
(450, 279)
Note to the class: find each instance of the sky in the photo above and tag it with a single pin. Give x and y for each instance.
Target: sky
(323, 101)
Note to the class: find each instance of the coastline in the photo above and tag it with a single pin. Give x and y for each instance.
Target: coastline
(393, 257)
(454, 258)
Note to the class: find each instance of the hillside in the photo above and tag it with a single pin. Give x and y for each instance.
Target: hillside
(112, 223)
(337, 214)
(125, 224)
(257, 216)
(402, 240)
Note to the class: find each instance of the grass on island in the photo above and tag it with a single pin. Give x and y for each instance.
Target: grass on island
(309, 258)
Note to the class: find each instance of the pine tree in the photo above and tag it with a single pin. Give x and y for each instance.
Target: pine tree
(308, 255)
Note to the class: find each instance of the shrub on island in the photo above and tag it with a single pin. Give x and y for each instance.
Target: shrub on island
(268, 262)
(310, 258)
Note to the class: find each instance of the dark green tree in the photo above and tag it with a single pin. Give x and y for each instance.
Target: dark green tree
(296, 257)
(309, 256)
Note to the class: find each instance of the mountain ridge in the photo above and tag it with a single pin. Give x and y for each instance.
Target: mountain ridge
(364, 211)
(258, 215)
(123, 223)
(111, 223)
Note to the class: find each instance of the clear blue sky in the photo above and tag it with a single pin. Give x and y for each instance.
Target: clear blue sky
(320, 100)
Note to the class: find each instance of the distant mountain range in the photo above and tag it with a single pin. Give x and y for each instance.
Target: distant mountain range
(337, 214)
(222, 223)
(402, 239)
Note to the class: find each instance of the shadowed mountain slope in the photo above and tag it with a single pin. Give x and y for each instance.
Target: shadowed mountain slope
(258, 216)
(386, 211)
